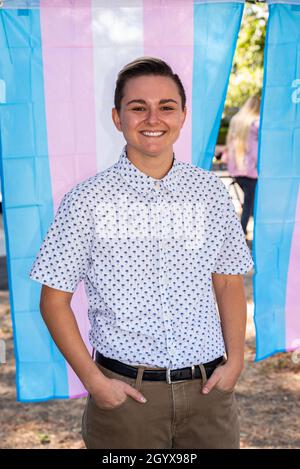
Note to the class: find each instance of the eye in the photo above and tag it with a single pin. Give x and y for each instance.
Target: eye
(138, 108)
(167, 108)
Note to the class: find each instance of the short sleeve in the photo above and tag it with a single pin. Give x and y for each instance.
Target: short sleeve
(234, 256)
(64, 256)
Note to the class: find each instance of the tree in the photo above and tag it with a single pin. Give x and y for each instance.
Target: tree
(247, 71)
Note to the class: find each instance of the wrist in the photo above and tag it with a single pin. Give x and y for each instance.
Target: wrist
(95, 380)
(235, 363)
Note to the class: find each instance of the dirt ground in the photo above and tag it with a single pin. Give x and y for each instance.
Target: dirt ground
(267, 393)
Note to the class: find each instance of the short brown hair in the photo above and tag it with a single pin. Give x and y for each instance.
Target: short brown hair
(146, 66)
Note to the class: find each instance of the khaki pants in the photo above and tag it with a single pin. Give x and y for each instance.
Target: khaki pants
(174, 416)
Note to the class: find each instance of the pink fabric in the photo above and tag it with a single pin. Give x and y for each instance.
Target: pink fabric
(166, 23)
(292, 330)
(70, 111)
(250, 157)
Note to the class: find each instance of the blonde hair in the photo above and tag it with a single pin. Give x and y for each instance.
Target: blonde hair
(237, 136)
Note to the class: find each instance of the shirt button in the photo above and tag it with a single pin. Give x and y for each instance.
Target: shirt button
(172, 351)
(168, 315)
(157, 186)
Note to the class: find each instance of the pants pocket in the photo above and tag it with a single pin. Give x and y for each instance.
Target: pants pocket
(96, 408)
(223, 392)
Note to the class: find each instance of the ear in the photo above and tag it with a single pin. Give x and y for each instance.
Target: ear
(116, 119)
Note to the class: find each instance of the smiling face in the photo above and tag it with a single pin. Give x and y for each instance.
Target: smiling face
(151, 115)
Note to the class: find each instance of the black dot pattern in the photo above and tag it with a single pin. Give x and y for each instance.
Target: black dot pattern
(149, 288)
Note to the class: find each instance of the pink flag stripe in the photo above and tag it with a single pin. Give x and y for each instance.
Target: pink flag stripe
(169, 35)
(70, 110)
(293, 288)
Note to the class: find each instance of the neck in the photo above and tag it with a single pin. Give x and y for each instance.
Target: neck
(154, 166)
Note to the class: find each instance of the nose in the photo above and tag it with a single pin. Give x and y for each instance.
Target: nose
(152, 117)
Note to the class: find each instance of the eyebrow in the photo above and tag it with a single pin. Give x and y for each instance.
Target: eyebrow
(142, 101)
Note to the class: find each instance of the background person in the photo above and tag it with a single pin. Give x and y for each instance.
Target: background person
(241, 153)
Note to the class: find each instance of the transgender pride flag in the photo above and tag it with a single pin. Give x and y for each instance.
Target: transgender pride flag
(58, 65)
(277, 204)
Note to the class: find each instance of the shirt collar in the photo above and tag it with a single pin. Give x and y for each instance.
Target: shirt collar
(144, 183)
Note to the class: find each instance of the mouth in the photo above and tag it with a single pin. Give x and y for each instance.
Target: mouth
(152, 133)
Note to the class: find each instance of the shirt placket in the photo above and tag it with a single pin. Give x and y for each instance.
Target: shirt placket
(164, 280)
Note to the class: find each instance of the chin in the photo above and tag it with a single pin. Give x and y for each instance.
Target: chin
(148, 150)
(153, 152)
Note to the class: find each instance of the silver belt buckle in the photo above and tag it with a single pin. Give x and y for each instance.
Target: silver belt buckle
(168, 376)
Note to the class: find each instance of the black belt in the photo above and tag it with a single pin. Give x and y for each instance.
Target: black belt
(168, 375)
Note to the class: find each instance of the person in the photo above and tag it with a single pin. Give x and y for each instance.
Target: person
(154, 239)
(240, 153)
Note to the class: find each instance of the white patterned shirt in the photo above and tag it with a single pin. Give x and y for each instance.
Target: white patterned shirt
(146, 250)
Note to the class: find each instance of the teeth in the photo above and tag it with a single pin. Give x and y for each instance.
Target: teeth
(152, 134)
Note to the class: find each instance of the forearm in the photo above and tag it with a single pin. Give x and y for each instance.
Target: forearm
(63, 328)
(232, 306)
